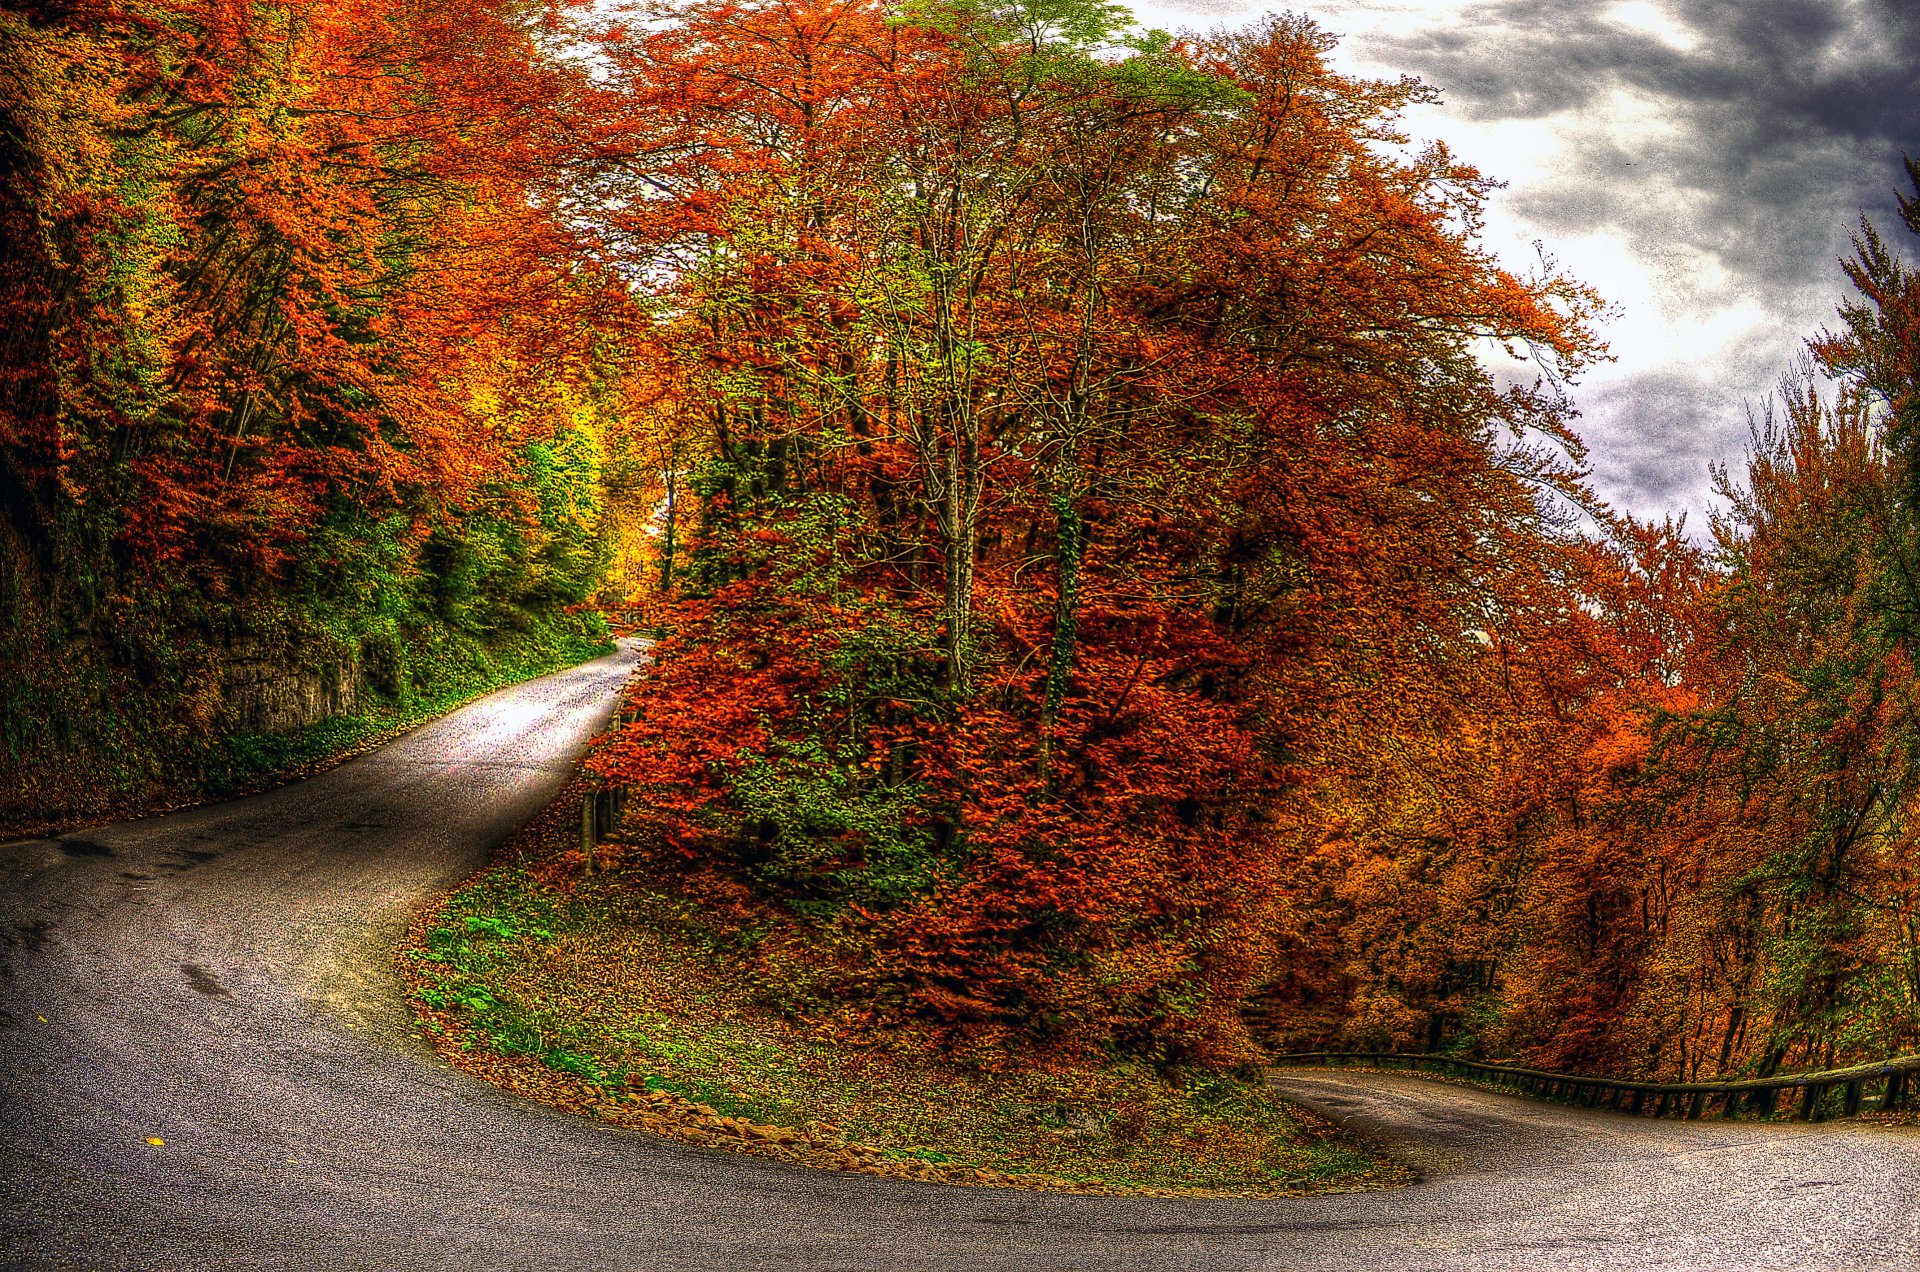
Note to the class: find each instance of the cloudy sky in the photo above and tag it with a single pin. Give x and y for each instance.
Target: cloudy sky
(1701, 162)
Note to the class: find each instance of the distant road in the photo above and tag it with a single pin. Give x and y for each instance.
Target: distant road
(1511, 1182)
(220, 979)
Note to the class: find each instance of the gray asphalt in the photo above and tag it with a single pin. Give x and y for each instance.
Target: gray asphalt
(221, 979)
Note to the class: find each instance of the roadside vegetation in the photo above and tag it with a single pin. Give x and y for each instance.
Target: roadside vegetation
(611, 995)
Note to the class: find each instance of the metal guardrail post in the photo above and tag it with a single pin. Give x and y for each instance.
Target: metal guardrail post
(600, 810)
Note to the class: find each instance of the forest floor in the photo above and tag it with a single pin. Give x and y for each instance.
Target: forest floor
(603, 995)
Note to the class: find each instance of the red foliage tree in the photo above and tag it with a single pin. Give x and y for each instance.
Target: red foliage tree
(1094, 439)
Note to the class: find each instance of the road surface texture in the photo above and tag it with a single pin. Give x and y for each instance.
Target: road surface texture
(221, 980)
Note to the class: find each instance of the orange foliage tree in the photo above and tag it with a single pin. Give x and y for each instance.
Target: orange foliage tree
(293, 348)
(1094, 432)
(1668, 830)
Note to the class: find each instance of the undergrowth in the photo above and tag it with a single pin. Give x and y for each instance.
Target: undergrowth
(593, 991)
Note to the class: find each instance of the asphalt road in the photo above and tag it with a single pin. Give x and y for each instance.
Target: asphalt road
(221, 980)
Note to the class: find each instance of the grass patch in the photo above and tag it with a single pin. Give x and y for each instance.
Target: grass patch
(605, 994)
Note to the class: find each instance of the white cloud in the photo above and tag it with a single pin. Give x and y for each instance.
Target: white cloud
(1648, 18)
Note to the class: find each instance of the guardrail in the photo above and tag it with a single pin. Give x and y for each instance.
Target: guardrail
(602, 808)
(1834, 1093)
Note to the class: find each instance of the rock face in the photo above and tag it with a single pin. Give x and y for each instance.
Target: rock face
(271, 690)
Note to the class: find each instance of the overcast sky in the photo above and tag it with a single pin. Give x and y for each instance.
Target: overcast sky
(1701, 162)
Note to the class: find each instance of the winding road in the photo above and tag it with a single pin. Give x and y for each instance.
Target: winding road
(221, 980)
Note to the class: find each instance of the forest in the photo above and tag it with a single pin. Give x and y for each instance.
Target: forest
(1122, 544)
(297, 378)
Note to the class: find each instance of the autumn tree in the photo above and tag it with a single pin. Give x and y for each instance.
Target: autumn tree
(1672, 837)
(1065, 386)
(296, 357)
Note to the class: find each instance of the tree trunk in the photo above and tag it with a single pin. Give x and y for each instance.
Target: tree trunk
(961, 541)
(667, 547)
(1070, 530)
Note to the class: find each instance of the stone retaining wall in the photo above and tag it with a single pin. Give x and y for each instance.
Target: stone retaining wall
(277, 691)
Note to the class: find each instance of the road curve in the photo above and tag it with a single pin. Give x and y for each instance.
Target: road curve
(220, 980)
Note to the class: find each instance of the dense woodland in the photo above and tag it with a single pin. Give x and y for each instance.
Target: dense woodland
(296, 368)
(1114, 571)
